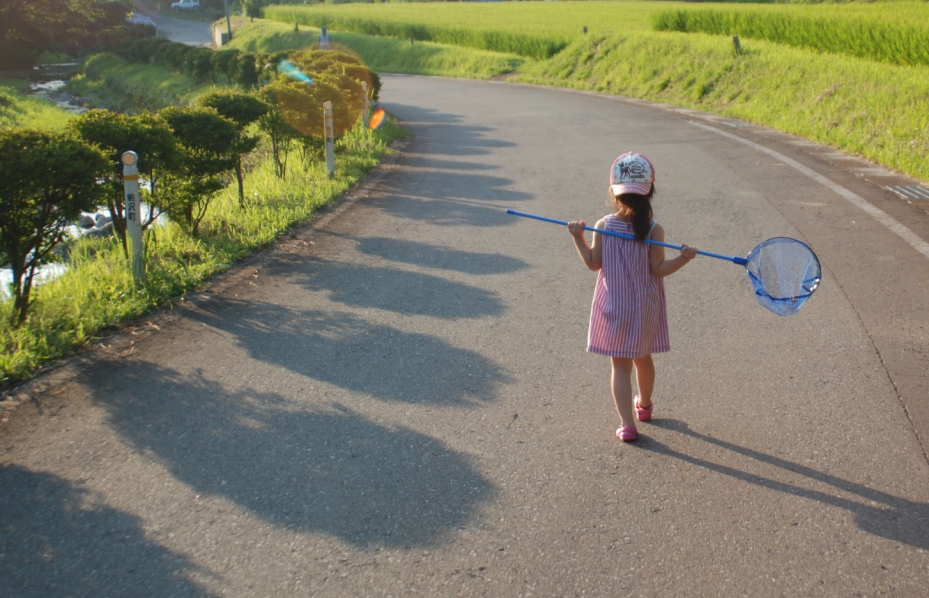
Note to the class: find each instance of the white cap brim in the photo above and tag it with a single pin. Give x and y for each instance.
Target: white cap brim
(639, 188)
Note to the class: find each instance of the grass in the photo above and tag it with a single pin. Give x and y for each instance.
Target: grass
(97, 291)
(19, 110)
(382, 53)
(893, 33)
(116, 84)
(531, 29)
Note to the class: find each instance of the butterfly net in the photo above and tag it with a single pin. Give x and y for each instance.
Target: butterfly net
(784, 272)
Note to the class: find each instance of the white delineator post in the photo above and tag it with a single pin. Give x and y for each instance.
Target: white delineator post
(330, 138)
(133, 216)
(367, 106)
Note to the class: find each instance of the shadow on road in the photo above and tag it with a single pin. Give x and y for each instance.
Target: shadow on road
(329, 471)
(398, 291)
(435, 256)
(57, 539)
(352, 353)
(894, 518)
(445, 191)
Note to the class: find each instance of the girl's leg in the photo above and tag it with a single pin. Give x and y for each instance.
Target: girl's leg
(622, 389)
(645, 379)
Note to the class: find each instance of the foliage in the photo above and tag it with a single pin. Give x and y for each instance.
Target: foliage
(280, 134)
(49, 179)
(112, 82)
(383, 53)
(98, 291)
(254, 9)
(30, 27)
(208, 150)
(18, 110)
(148, 136)
(873, 32)
(243, 110)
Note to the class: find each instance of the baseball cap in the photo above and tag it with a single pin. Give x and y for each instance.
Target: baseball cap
(632, 173)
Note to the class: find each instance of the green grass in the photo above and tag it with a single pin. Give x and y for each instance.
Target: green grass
(894, 33)
(19, 110)
(382, 53)
(97, 292)
(531, 29)
(116, 84)
(876, 110)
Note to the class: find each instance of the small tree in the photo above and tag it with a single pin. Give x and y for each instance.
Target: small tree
(49, 178)
(254, 9)
(273, 124)
(207, 141)
(242, 109)
(147, 135)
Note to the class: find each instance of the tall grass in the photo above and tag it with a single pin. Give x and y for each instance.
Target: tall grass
(864, 107)
(383, 53)
(895, 33)
(19, 110)
(512, 42)
(112, 82)
(98, 291)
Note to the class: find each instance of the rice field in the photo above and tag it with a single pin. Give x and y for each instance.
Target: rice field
(895, 33)
(536, 30)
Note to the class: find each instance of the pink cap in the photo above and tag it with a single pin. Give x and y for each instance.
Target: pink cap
(632, 173)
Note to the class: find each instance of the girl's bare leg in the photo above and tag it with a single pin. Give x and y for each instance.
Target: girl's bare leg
(621, 384)
(645, 379)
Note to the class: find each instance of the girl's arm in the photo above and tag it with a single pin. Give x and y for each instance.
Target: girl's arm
(591, 254)
(661, 267)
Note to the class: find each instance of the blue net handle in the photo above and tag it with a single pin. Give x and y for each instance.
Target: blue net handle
(741, 261)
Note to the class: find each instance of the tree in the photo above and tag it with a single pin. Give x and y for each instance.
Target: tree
(242, 109)
(254, 9)
(147, 135)
(273, 124)
(48, 179)
(207, 141)
(30, 27)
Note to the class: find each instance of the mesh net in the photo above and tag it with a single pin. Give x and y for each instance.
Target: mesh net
(784, 272)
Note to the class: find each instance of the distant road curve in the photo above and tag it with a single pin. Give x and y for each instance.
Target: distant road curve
(194, 33)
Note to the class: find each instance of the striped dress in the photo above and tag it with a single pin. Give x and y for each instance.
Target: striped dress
(628, 317)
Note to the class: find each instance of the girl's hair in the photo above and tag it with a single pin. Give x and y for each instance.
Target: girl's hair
(638, 209)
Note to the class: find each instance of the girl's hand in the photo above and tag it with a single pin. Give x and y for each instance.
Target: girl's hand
(576, 228)
(688, 252)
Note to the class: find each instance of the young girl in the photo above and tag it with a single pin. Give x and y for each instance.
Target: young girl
(628, 320)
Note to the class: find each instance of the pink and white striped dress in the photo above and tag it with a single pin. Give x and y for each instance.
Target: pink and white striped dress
(628, 317)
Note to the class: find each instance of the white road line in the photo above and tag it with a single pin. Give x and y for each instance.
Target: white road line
(856, 200)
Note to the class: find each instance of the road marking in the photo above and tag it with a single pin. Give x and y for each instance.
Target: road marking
(856, 200)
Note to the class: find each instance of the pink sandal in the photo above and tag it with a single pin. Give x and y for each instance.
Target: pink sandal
(627, 433)
(643, 414)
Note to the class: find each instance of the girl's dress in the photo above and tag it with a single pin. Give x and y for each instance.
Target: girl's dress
(628, 317)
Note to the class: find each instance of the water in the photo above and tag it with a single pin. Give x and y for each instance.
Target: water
(50, 91)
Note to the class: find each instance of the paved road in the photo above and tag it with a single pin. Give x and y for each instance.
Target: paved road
(194, 33)
(397, 401)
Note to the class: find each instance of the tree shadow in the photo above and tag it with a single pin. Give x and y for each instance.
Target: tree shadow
(436, 256)
(398, 291)
(59, 539)
(352, 353)
(894, 518)
(328, 470)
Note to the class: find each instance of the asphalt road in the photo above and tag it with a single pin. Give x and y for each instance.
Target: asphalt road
(396, 400)
(193, 33)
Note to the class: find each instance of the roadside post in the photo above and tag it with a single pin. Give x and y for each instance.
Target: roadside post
(367, 106)
(330, 138)
(133, 216)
